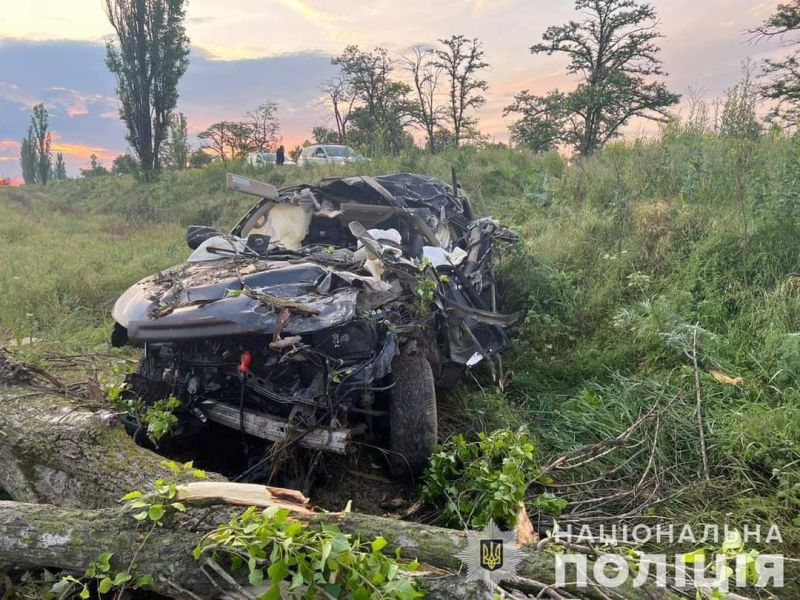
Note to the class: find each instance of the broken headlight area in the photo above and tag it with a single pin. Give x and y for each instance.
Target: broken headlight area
(322, 380)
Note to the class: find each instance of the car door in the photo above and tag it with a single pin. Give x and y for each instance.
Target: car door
(319, 156)
(306, 156)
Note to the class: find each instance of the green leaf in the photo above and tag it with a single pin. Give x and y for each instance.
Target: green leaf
(256, 577)
(733, 542)
(155, 513)
(379, 543)
(326, 552)
(105, 585)
(131, 496)
(297, 581)
(172, 466)
(84, 595)
(123, 577)
(104, 560)
(145, 580)
(179, 506)
(278, 571)
(691, 557)
(61, 586)
(140, 516)
(273, 593)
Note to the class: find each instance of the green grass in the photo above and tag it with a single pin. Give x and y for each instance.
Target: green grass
(620, 256)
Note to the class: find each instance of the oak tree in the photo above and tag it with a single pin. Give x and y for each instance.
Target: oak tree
(614, 54)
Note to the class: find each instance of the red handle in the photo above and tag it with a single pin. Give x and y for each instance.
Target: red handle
(244, 361)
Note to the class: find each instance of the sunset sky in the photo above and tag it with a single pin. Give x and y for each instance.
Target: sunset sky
(244, 51)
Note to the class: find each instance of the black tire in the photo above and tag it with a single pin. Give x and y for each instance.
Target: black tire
(412, 416)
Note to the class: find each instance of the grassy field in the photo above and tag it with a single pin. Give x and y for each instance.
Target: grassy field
(625, 260)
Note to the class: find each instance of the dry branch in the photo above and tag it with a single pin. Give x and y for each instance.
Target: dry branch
(699, 403)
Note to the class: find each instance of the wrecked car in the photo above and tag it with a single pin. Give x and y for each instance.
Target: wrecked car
(332, 311)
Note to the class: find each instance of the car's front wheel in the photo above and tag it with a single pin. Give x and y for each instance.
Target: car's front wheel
(412, 415)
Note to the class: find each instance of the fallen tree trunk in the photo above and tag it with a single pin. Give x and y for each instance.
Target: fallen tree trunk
(54, 451)
(34, 535)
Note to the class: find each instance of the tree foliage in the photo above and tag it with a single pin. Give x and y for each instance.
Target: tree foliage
(461, 60)
(148, 59)
(614, 53)
(264, 127)
(259, 132)
(36, 159)
(175, 151)
(60, 168)
(218, 139)
(425, 74)
(40, 122)
(340, 98)
(381, 109)
(27, 158)
(783, 85)
(324, 135)
(95, 168)
(199, 158)
(739, 117)
(124, 164)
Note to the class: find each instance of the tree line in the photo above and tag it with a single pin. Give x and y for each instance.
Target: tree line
(377, 101)
(376, 98)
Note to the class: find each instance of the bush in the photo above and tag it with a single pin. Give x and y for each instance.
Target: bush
(472, 482)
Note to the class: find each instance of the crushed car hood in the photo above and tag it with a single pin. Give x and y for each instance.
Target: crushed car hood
(205, 299)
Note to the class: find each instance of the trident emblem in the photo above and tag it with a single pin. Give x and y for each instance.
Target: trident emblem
(491, 554)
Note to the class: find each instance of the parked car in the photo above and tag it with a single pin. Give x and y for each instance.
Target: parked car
(328, 153)
(261, 159)
(330, 312)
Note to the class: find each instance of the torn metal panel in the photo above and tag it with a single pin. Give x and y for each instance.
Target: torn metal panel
(238, 183)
